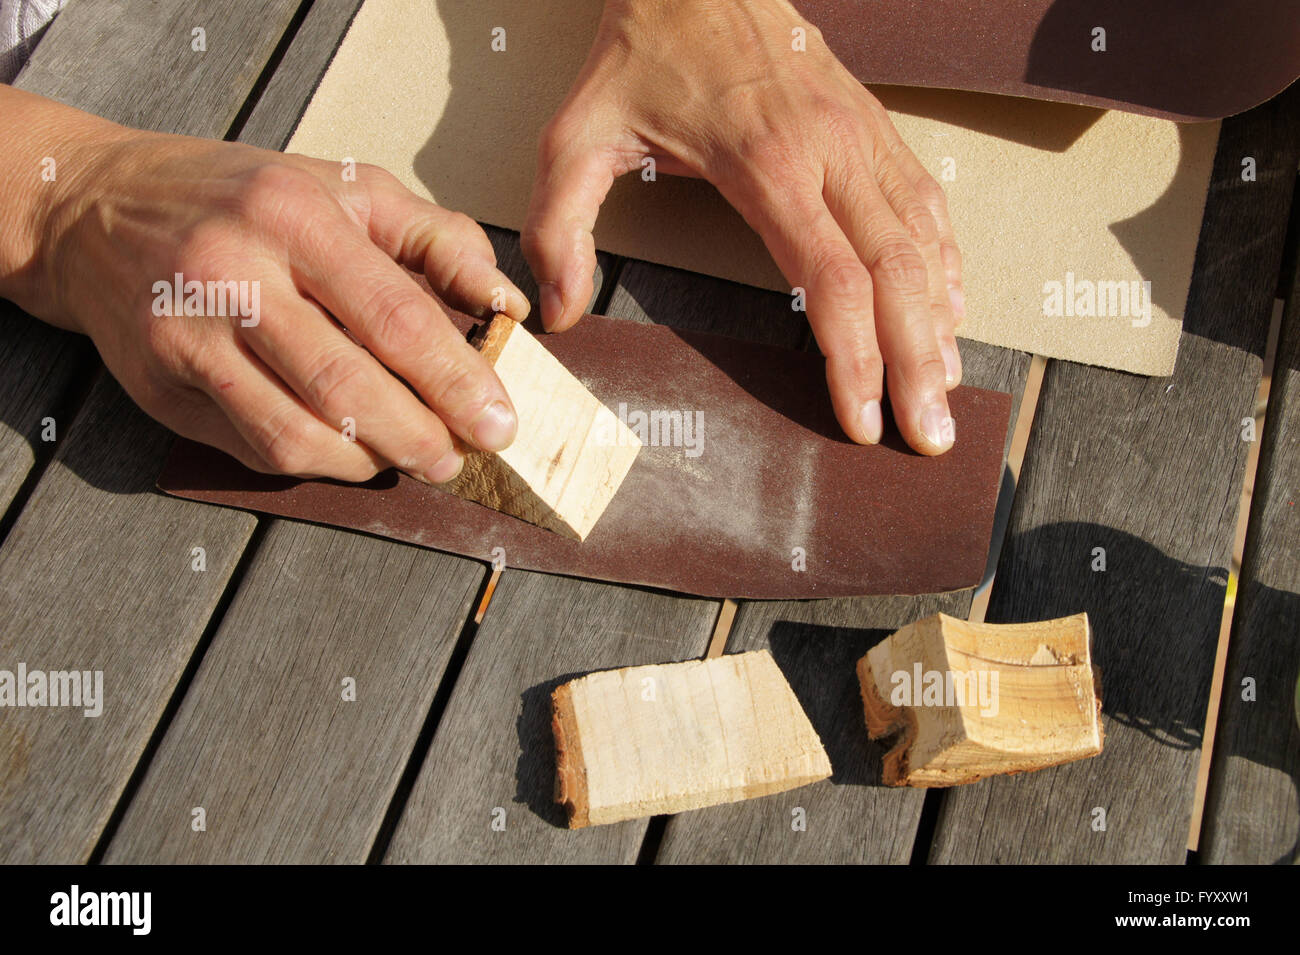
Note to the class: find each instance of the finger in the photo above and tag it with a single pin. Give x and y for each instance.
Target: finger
(275, 423)
(921, 225)
(449, 248)
(406, 330)
(812, 252)
(905, 322)
(935, 199)
(347, 388)
(574, 174)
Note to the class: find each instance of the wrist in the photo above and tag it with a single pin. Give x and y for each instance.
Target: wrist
(57, 154)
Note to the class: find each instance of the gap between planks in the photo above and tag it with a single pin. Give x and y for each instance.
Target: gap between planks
(979, 605)
(1230, 592)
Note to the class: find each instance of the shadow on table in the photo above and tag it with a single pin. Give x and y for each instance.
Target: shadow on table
(1155, 623)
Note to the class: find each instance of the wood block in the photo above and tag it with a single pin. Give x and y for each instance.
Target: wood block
(977, 699)
(571, 453)
(649, 740)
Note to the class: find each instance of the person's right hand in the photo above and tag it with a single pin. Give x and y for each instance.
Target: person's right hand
(318, 386)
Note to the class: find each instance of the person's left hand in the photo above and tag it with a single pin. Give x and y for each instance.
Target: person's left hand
(805, 153)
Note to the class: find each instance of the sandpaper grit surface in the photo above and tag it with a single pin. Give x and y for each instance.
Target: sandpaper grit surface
(1044, 196)
(763, 497)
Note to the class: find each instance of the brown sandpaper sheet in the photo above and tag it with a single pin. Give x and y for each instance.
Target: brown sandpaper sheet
(1177, 59)
(1048, 200)
(762, 497)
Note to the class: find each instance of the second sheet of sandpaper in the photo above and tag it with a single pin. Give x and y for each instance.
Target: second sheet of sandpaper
(1078, 225)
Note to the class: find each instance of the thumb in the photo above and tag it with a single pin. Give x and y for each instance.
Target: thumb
(576, 166)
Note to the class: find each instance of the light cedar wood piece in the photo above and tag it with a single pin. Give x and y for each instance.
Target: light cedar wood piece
(571, 452)
(977, 699)
(650, 740)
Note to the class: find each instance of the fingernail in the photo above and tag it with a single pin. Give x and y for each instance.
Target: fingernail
(448, 467)
(958, 299)
(495, 427)
(552, 303)
(873, 424)
(938, 427)
(951, 362)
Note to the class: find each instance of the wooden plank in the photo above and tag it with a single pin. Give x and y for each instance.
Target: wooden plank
(135, 63)
(485, 792)
(850, 818)
(266, 742)
(96, 573)
(39, 365)
(99, 573)
(1253, 813)
(1149, 470)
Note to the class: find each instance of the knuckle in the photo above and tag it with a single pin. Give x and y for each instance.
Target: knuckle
(929, 367)
(845, 278)
(865, 364)
(842, 123)
(920, 224)
(398, 321)
(899, 264)
(334, 378)
(454, 384)
(951, 255)
(272, 191)
(931, 193)
(201, 246)
(284, 448)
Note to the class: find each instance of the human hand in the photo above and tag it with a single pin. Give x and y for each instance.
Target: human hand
(309, 375)
(810, 159)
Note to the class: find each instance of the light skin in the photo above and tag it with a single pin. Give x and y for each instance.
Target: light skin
(345, 334)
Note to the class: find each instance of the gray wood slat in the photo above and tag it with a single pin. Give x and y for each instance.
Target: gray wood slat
(1252, 810)
(39, 367)
(493, 755)
(134, 62)
(1150, 470)
(849, 818)
(96, 571)
(97, 575)
(284, 767)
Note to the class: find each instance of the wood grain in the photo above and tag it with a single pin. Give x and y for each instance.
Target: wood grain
(266, 741)
(99, 573)
(1150, 470)
(1253, 813)
(97, 569)
(665, 738)
(492, 759)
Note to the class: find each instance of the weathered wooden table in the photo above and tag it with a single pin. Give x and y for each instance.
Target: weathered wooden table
(223, 685)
